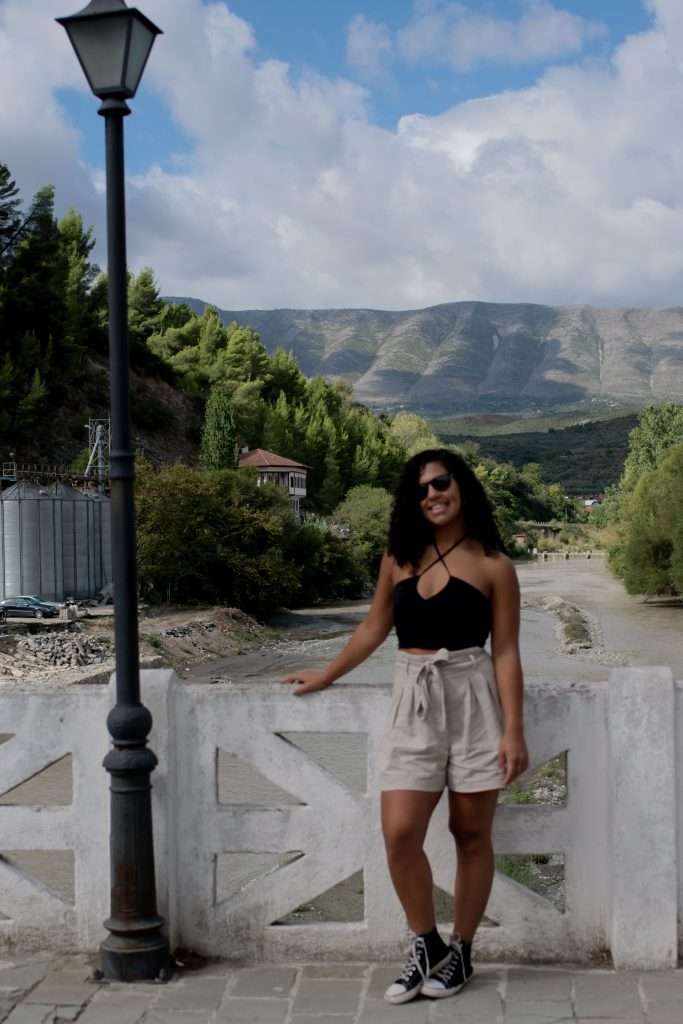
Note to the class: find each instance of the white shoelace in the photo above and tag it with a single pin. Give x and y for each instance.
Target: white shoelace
(447, 972)
(414, 962)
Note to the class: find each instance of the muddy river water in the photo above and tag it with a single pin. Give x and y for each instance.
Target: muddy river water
(624, 630)
(621, 630)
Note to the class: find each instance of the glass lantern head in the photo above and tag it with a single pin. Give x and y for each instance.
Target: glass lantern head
(112, 43)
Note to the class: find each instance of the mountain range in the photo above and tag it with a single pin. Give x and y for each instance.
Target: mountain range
(481, 356)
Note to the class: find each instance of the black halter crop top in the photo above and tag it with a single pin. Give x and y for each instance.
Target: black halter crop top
(457, 616)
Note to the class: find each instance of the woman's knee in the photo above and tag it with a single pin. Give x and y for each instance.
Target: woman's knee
(402, 839)
(470, 839)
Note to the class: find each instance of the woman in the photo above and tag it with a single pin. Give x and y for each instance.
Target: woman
(456, 715)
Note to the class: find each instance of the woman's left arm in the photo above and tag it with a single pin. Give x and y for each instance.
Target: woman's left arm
(505, 602)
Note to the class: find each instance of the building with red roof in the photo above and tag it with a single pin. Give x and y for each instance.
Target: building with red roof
(279, 470)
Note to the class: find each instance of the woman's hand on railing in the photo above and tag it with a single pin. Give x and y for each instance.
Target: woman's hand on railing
(306, 682)
(513, 756)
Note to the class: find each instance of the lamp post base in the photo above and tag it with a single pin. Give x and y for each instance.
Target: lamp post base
(137, 957)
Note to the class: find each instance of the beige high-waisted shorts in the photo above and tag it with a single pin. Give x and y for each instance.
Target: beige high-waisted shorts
(445, 724)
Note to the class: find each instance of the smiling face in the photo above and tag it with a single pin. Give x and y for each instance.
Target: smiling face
(440, 508)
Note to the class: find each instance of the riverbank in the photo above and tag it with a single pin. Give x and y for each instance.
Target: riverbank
(577, 624)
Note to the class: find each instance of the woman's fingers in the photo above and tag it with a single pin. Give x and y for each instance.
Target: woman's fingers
(516, 765)
(304, 682)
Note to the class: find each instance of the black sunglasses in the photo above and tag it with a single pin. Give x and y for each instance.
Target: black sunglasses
(440, 483)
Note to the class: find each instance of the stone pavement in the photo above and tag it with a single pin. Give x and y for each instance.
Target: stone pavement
(54, 991)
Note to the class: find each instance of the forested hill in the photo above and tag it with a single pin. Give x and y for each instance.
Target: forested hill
(585, 459)
(481, 356)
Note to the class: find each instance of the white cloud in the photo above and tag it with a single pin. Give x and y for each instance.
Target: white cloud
(568, 191)
(368, 46)
(463, 38)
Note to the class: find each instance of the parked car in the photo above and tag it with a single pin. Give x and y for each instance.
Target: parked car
(26, 607)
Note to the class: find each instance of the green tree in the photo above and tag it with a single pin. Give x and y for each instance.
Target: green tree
(277, 429)
(9, 214)
(34, 320)
(32, 402)
(366, 511)
(413, 433)
(219, 435)
(174, 315)
(144, 306)
(212, 344)
(652, 557)
(83, 324)
(331, 489)
(244, 357)
(6, 390)
(250, 412)
(658, 428)
(36, 281)
(285, 376)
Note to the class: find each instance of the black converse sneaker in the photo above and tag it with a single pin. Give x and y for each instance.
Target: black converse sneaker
(410, 982)
(452, 977)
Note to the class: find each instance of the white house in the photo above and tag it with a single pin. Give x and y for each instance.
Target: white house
(276, 469)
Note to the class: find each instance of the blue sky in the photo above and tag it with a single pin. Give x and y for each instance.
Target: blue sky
(311, 35)
(371, 153)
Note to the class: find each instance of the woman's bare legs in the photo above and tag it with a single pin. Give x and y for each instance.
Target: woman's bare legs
(470, 822)
(405, 818)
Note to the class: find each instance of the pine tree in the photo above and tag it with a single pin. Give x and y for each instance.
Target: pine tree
(219, 435)
(277, 429)
(83, 323)
(212, 343)
(245, 357)
(285, 376)
(9, 213)
(36, 279)
(6, 391)
(144, 306)
(30, 405)
(331, 491)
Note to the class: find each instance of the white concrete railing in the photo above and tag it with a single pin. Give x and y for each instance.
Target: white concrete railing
(619, 831)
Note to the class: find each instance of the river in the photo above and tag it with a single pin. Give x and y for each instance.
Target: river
(625, 630)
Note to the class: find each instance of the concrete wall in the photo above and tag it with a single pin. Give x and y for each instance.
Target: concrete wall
(232, 860)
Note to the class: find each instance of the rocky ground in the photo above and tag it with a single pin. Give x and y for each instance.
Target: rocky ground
(62, 653)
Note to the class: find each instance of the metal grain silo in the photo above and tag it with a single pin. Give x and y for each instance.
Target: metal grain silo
(101, 537)
(105, 538)
(77, 542)
(30, 542)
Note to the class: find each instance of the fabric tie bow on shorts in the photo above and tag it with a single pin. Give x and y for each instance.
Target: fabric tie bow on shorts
(445, 723)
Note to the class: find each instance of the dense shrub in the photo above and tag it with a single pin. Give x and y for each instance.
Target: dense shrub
(365, 512)
(217, 536)
(651, 554)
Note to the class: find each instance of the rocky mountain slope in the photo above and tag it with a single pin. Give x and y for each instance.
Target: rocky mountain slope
(483, 356)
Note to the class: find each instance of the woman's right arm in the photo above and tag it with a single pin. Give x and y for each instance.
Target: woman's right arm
(373, 631)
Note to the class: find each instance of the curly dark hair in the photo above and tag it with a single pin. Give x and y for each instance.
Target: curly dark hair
(410, 533)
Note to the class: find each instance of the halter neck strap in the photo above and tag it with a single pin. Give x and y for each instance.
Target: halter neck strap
(441, 556)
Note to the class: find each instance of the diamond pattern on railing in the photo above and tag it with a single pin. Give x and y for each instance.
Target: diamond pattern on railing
(238, 782)
(344, 902)
(343, 754)
(236, 871)
(52, 870)
(52, 786)
(51, 815)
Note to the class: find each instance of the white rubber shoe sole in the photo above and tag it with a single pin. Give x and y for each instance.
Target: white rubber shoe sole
(398, 994)
(433, 988)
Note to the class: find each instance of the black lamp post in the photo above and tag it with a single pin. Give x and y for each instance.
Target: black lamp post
(112, 43)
